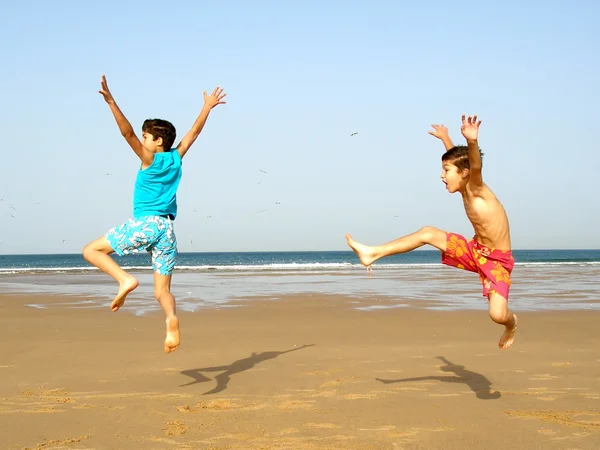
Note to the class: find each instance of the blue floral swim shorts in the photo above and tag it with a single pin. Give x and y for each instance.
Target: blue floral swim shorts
(154, 234)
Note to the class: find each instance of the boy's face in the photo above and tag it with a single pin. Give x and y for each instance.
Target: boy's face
(452, 177)
(149, 143)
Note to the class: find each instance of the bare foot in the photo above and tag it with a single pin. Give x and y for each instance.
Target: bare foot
(365, 253)
(124, 288)
(507, 339)
(172, 340)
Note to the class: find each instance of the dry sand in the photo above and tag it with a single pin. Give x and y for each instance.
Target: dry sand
(303, 372)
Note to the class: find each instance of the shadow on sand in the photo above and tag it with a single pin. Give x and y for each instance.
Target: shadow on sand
(238, 366)
(480, 385)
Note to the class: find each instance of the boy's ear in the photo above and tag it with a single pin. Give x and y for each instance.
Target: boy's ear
(159, 142)
(464, 173)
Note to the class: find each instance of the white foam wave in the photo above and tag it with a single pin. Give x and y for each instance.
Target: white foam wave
(278, 267)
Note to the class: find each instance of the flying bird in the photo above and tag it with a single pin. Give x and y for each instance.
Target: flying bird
(263, 171)
(354, 134)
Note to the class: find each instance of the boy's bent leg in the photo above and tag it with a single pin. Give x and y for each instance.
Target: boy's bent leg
(97, 253)
(162, 292)
(426, 235)
(500, 314)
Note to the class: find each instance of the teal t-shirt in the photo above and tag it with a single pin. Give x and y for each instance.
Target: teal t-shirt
(156, 186)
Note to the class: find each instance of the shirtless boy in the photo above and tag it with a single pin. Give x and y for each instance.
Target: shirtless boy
(488, 253)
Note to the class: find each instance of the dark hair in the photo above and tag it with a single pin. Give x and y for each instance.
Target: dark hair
(459, 156)
(159, 128)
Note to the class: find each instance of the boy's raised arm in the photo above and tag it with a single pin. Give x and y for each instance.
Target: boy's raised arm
(210, 101)
(441, 132)
(470, 130)
(124, 125)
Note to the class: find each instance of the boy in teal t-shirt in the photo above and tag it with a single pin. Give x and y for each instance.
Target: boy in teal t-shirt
(154, 208)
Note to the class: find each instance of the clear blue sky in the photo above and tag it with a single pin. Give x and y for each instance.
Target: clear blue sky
(300, 77)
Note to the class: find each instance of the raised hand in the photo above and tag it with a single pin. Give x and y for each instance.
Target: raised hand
(439, 131)
(215, 98)
(105, 91)
(470, 128)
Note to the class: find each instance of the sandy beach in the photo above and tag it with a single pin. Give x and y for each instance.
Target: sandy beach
(303, 372)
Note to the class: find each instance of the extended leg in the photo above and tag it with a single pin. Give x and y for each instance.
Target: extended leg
(427, 235)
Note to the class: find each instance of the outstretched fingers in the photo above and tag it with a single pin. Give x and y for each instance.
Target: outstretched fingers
(471, 120)
(219, 95)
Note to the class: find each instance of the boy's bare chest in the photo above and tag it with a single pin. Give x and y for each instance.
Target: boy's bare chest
(479, 211)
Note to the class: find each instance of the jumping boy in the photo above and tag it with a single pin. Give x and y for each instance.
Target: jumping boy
(154, 208)
(489, 252)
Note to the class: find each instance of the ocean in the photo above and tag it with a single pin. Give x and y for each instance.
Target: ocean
(542, 280)
(280, 261)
